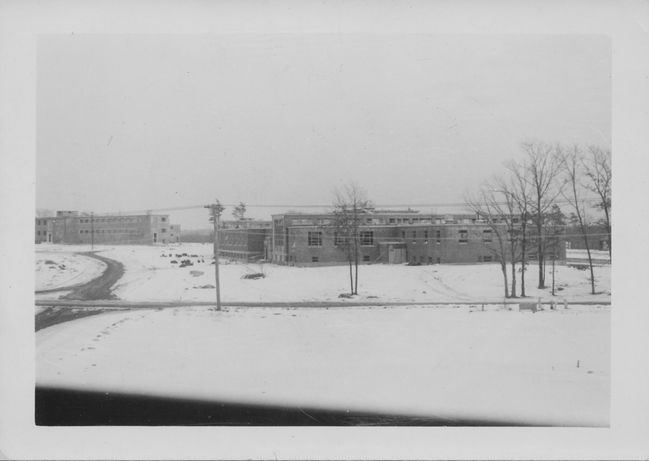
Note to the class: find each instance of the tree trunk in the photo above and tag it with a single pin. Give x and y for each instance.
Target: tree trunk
(553, 258)
(584, 233)
(590, 260)
(523, 260)
(540, 256)
(513, 264)
(608, 230)
(356, 265)
(503, 267)
(351, 277)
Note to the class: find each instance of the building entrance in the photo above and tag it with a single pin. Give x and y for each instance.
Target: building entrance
(396, 255)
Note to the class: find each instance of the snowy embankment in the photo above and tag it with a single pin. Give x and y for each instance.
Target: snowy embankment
(57, 269)
(149, 276)
(447, 362)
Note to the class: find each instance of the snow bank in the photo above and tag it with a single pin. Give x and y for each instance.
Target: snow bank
(55, 269)
(448, 362)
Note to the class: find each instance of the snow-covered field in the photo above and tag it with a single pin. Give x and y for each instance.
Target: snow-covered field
(447, 362)
(56, 269)
(149, 276)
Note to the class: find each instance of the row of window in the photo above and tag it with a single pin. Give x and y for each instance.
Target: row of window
(463, 236)
(109, 231)
(415, 260)
(113, 219)
(314, 238)
(383, 221)
(367, 237)
(43, 222)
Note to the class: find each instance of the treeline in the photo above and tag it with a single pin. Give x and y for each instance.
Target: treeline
(525, 206)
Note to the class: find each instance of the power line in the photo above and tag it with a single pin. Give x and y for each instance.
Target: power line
(327, 206)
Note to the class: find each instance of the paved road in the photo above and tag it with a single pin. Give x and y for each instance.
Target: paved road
(99, 287)
(65, 308)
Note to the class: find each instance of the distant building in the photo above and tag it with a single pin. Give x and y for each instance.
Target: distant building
(72, 227)
(597, 237)
(244, 240)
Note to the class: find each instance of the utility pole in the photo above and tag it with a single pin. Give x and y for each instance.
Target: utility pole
(215, 213)
(92, 230)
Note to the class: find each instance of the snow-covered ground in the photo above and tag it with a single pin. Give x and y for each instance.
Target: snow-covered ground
(149, 276)
(447, 362)
(56, 269)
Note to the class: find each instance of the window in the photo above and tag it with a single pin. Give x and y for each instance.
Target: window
(163, 219)
(487, 258)
(315, 239)
(338, 239)
(438, 236)
(486, 236)
(430, 260)
(314, 259)
(38, 232)
(403, 234)
(163, 230)
(414, 235)
(464, 236)
(392, 220)
(367, 238)
(426, 236)
(366, 258)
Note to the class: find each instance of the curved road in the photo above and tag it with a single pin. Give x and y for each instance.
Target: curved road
(98, 288)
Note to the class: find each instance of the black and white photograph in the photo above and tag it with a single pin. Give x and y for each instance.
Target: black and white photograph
(353, 227)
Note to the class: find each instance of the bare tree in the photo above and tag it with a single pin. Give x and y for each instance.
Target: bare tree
(511, 217)
(597, 166)
(572, 163)
(485, 204)
(517, 188)
(239, 211)
(555, 229)
(544, 164)
(350, 204)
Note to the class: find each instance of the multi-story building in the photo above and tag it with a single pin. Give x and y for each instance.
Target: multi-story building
(72, 227)
(385, 237)
(243, 239)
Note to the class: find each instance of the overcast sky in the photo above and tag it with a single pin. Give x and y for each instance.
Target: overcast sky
(131, 122)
